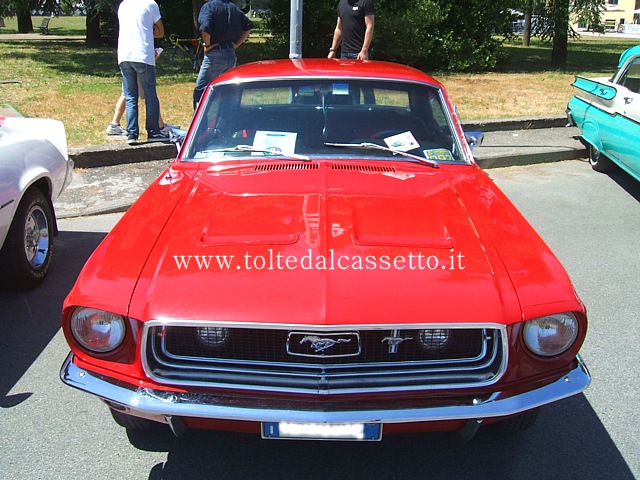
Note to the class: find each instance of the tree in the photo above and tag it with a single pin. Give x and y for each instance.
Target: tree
(553, 23)
(22, 10)
(558, 12)
(427, 34)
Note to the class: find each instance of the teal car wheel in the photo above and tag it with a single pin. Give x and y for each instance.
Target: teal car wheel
(599, 161)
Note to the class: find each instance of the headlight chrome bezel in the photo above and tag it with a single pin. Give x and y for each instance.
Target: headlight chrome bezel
(551, 335)
(97, 331)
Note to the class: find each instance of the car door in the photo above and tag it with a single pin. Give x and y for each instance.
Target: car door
(627, 105)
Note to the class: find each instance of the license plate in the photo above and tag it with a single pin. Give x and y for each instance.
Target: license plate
(322, 431)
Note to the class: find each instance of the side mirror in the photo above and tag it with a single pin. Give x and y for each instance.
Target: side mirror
(474, 138)
(177, 138)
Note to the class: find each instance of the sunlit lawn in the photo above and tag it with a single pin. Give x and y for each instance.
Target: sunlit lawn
(64, 79)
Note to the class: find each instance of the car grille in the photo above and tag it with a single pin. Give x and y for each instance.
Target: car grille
(307, 361)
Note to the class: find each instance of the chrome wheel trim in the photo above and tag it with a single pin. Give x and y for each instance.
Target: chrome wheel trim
(36, 237)
(594, 155)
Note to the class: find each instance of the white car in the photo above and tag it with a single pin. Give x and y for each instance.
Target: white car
(34, 169)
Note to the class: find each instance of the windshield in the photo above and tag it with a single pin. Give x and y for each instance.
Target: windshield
(323, 116)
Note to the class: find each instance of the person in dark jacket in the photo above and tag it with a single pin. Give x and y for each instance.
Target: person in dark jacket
(224, 27)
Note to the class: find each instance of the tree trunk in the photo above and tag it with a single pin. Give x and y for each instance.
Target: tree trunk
(196, 6)
(560, 34)
(94, 37)
(526, 34)
(25, 25)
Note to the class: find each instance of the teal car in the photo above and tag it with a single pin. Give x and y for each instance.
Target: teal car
(607, 111)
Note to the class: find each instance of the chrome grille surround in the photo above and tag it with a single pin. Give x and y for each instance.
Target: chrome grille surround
(258, 359)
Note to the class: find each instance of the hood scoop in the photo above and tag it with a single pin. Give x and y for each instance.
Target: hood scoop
(393, 222)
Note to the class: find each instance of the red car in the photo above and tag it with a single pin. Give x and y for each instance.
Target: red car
(324, 259)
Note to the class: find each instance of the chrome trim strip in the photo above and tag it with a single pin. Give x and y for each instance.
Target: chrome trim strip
(228, 362)
(501, 329)
(147, 402)
(194, 322)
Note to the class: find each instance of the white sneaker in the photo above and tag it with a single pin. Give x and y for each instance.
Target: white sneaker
(115, 130)
(168, 128)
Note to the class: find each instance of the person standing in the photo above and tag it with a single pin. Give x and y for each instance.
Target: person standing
(354, 30)
(140, 23)
(224, 27)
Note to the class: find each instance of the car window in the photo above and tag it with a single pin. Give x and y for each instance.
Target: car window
(631, 77)
(304, 116)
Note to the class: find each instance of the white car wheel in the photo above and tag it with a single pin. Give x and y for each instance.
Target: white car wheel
(599, 161)
(28, 248)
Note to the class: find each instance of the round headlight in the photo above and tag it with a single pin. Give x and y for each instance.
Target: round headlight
(434, 340)
(551, 335)
(97, 330)
(212, 337)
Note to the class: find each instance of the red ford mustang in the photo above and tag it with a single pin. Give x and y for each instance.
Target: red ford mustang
(324, 259)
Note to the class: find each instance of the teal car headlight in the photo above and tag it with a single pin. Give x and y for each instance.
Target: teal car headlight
(551, 335)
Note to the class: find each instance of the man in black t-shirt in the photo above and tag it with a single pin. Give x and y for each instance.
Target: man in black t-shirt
(354, 29)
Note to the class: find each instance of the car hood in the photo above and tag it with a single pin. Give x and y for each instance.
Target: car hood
(323, 245)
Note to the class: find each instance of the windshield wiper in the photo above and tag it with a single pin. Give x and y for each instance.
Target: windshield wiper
(267, 152)
(375, 146)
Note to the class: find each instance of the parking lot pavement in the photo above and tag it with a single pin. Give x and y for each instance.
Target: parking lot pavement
(101, 184)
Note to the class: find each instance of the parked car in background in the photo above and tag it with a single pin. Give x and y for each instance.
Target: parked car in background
(607, 111)
(34, 169)
(325, 260)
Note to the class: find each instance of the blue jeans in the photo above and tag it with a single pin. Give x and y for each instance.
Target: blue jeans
(132, 72)
(215, 62)
(354, 55)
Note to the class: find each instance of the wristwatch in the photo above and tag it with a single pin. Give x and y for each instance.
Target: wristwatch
(332, 49)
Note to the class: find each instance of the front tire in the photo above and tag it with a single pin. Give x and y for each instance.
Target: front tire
(518, 423)
(28, 248)
(599, 161)
(172, 62)
(133, 423)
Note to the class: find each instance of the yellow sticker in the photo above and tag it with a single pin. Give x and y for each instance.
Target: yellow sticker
(439, 154)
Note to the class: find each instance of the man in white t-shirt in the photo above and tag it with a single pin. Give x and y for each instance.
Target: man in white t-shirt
(140, 23)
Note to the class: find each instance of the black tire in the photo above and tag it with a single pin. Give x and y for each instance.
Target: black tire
(171, 61)
(599, 161)
(517, 424)
(131, 422)
(27, 251)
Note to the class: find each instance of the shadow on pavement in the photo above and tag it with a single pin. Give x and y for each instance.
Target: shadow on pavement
(626, 181)
(568, 441)
(29, 320)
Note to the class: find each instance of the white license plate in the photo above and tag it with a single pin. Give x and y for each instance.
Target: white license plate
(322, 431)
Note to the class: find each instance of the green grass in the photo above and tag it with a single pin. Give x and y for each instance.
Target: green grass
(587, 54)
(66, 80)
(67, 26)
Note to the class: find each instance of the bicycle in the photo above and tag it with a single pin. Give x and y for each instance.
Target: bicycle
(175, 57)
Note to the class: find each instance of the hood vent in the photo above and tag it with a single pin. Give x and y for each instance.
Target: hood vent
(286, 166)
(361, 168)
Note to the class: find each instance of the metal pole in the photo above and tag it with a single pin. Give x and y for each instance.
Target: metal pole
(295, 30)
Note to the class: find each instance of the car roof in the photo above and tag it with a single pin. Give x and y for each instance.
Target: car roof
(323, 67)
(633, 51)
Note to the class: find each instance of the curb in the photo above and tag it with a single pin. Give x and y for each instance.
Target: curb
(516, 123)
(121, 153)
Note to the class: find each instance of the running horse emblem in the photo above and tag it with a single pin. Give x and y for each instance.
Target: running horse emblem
(321, 344)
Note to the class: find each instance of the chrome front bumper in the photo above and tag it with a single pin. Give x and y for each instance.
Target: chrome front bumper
(162, 405)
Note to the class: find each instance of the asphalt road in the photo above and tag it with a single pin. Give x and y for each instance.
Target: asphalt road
(590, 220)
